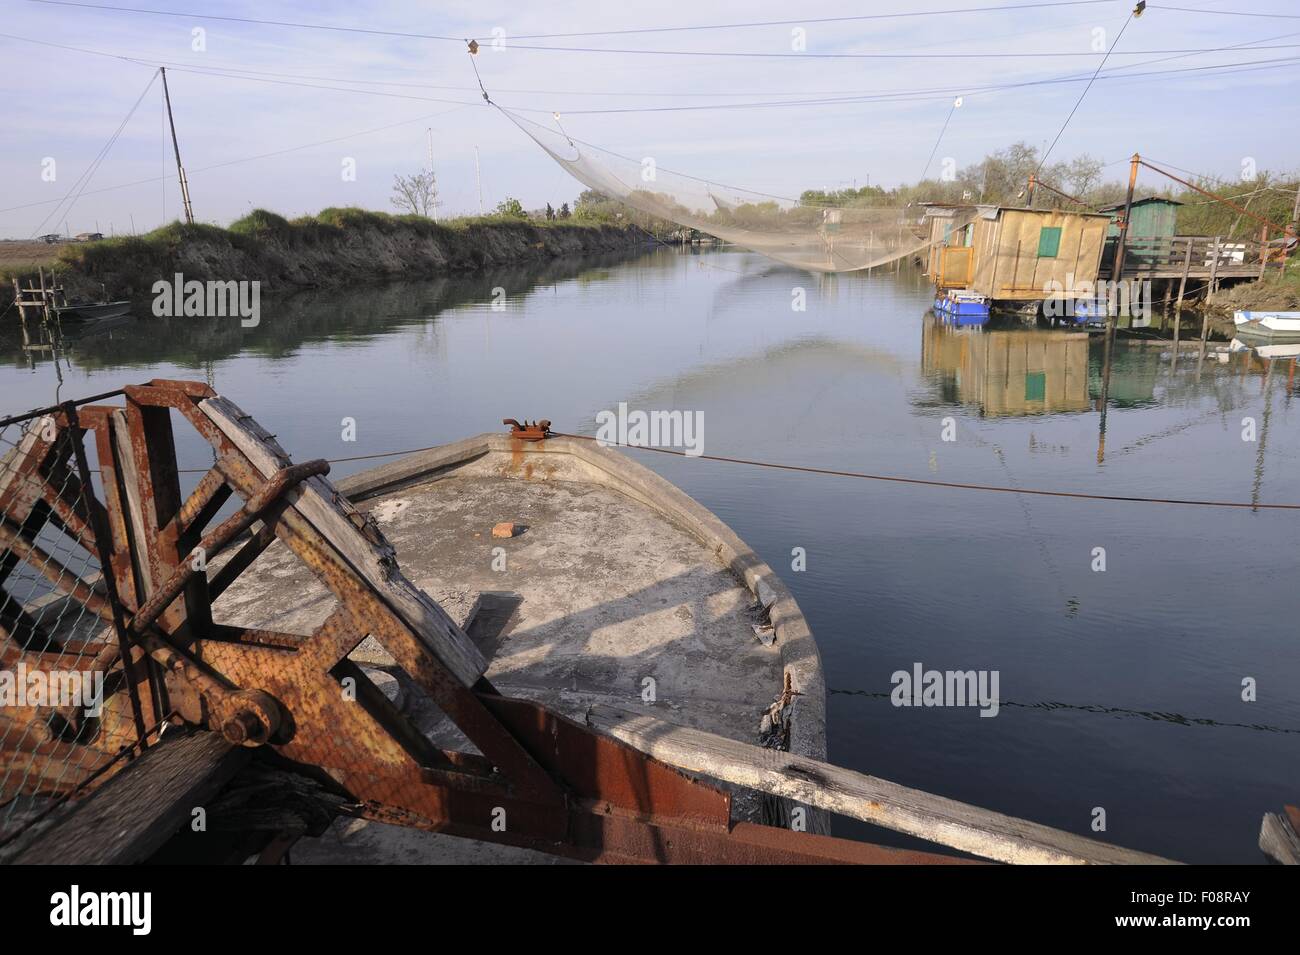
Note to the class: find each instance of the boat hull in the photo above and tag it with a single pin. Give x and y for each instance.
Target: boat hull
(97, 310)
(1272, 321)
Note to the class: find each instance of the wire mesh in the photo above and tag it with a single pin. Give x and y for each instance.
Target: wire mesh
(58, 721)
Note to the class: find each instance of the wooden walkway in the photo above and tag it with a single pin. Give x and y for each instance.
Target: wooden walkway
(1204, 258)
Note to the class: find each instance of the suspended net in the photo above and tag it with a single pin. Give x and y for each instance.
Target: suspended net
(814, 236)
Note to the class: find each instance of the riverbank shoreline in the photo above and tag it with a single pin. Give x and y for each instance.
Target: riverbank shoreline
(333, 248)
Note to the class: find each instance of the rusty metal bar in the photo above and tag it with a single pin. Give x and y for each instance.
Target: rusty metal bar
(102, 537)
(212, 543)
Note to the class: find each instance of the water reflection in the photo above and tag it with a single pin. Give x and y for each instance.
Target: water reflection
(351, 315)
(1007, 372)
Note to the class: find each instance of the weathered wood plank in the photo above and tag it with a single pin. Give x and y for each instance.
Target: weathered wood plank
(361, 545)
(141, 807)
(989, 835)
(1278, 837)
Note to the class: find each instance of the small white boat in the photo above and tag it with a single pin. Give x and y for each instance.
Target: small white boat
(1273, 321)
(1284, 350)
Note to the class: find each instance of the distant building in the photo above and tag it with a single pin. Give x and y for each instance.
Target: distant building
(51, 237)
(88, 236)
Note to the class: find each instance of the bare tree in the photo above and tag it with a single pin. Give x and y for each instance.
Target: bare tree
(416, 193)
(1084, 174)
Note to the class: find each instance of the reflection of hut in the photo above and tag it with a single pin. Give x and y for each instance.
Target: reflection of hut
(1015, 255)
(1009, 372)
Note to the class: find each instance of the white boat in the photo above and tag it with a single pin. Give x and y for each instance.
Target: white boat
(1273, 321)
(1284, 350)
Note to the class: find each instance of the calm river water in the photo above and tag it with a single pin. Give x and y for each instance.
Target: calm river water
(1120, 689)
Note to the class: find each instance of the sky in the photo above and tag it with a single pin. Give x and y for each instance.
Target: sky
(275, 116)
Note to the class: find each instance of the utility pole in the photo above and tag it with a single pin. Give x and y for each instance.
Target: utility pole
(478, 176)
(180, 170)
(1029, 196)
(1295, 210)
(1118, 267)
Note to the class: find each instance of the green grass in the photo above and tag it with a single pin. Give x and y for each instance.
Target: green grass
(260, 226)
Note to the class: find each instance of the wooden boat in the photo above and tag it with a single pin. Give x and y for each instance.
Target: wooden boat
(614, 585)
(92, 310)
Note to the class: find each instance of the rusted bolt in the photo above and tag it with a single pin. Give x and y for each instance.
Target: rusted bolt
(244, 729)
(253, 720)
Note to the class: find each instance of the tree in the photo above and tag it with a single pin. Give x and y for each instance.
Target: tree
(564, 210)
(512, 208)
(416, 194)
(1084, 175)
(550, 213)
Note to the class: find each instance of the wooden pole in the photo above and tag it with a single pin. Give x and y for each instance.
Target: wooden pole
(1187, 267)
(45, 302)
(180, 170)
(1214, 270)
(1117, 273)
(1178, 325)
(1118, 269)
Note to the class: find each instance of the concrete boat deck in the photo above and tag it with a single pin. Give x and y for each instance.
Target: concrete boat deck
(618, 582)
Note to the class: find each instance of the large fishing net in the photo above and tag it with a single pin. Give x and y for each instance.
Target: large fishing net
(818, 237)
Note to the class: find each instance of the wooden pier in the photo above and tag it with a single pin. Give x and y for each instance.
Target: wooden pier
(1194, 257)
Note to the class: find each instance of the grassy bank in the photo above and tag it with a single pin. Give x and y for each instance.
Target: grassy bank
(334, 247)
(1280, 292)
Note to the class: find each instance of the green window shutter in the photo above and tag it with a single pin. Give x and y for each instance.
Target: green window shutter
(1036, 385)
(1049, 242)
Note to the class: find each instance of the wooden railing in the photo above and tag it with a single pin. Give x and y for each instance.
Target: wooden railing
(1193, 255)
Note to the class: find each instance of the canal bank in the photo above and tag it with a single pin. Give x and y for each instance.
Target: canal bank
(336, 247)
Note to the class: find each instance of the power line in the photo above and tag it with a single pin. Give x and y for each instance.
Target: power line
(941, 92)
(720, 53)
(848, 98)
(79, 186)
(1226, 13)
(946, 120)
(243, 159)
(810, 21)
(753, 54)
(540, 36)
(252, 20)
(1079, 102)
(926, 482)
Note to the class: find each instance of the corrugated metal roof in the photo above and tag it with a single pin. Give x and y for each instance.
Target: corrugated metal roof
(1138, 202)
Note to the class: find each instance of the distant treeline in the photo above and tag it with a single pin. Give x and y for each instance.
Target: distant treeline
(1001, 178)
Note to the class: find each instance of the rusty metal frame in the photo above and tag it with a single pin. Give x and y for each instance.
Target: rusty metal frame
(538, 779)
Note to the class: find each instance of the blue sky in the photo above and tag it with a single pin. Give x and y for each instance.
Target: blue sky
(64, 104)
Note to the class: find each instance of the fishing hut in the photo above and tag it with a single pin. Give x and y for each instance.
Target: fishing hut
(1014, 257)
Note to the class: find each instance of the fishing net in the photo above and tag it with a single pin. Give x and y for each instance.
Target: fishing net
(818, 237)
